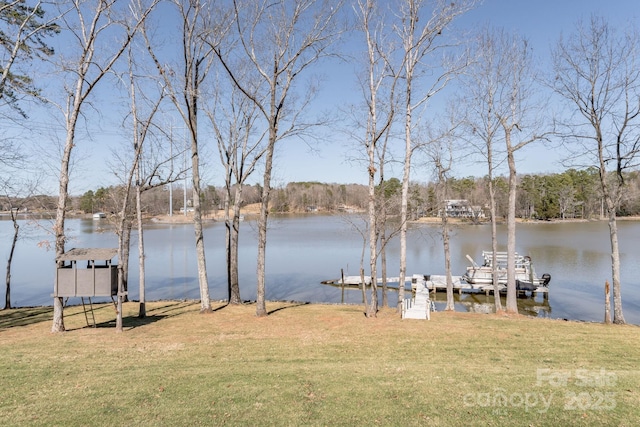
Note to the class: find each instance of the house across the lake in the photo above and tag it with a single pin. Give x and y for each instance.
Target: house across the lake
(463, 209)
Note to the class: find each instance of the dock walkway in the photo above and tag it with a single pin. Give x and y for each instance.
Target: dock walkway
(434, 283)
(419, 306)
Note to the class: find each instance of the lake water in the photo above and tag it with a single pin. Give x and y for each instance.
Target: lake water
(304, 250)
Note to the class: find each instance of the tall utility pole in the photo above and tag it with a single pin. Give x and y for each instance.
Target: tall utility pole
(171, 173)
(184, 193)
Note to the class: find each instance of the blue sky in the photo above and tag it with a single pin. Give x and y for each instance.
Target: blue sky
(540, 21)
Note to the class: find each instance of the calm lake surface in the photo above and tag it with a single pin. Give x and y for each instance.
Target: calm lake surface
(303, 250)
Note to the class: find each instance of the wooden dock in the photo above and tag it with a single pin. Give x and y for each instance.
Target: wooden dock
(355, 280)
(419, 305)
(438, 283)
(420, 302)
(434, 283)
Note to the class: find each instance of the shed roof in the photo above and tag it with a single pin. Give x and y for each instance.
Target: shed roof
(80, 254)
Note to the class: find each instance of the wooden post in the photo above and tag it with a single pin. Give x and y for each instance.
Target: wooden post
(364, 289)
(607, 303)
(342, 276)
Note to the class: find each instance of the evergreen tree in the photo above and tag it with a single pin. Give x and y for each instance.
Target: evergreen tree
(23, 29)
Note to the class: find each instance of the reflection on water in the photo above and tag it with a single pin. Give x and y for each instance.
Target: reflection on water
(528, 305)
(304, 250)
(535, 306)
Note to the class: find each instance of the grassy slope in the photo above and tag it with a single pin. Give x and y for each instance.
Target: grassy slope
(314, 365)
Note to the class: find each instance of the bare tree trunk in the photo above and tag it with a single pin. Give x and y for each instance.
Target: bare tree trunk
(16, 229)
(205, 301)
(442, 202)
(372, 307)
(363, 287)
(234, 283)
(383, 229)
(607, 303)
(125, 259)
(610, 205)
(447, 262)
(383, 263)
(227, 229)
(58, 306)
(192, 110)
(232, 231)
(618, 317)
(123, 229)
(408, 151)
(404, 202)
(142, 309)
(494, 235)
(124, 237)
(512, 300)
(261, 309)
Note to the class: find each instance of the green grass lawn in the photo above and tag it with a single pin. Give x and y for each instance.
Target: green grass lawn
(314, 365)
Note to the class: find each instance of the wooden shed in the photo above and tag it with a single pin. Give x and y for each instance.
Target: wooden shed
(86, 273)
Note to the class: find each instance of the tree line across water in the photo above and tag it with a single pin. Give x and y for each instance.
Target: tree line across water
(572, 194)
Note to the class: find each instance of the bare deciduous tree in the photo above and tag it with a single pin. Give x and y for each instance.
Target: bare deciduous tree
(597, 71)
(507, 64)
(420, 39)
(88, 23)
(184, 90)
(378, 91)
(233, 118)
(141, 125)
(280, 40)
(13, 213)
(439, 145)
(481, 87)
(442, 158)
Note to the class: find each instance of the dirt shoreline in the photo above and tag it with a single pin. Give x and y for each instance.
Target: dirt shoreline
(252, 211)
(180, 218)
(435, 220)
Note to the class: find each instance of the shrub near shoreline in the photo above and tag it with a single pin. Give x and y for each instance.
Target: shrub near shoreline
(314, 364)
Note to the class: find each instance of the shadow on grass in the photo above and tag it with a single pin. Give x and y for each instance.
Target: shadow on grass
(13, 317)
(28, 316)
(129, 322)
(213, 309)
(269, 312)
(172, 307)
(154, 314)
(18, 317)
(296, 304)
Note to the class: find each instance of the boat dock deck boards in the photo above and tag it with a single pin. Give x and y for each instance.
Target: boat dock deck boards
(356, 281)
(434, 283)
(439, 283)
(419, 306)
